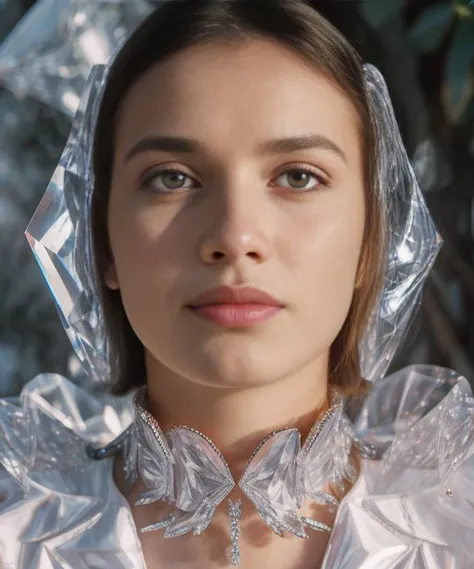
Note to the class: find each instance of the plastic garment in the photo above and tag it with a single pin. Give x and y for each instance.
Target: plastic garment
(411, 506)
(412, 509)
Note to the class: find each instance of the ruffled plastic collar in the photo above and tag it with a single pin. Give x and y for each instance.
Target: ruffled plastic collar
(61, 508)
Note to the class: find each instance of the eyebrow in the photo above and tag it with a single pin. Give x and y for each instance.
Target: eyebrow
(276, 146)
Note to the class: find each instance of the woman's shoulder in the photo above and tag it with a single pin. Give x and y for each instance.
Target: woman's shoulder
(413, 504)
(57, 505)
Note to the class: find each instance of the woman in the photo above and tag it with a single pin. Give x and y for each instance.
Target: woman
(248, 244)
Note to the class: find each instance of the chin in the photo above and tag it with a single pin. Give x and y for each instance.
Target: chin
(237, 370)
(229, 379)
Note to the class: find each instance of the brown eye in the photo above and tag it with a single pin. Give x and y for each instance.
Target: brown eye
(165, 181)
(299, 179)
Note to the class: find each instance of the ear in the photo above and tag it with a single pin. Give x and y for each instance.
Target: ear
(110, 278)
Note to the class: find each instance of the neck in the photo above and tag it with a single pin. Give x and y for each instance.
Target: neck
(237, 419)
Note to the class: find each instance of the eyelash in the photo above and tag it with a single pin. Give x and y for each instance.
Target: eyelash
(150, 175)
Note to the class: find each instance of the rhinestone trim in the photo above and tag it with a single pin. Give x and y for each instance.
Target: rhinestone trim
(139, 402)
(235, 512)
(318, 526)
(164, 523)
(234, 508)
(336, 405)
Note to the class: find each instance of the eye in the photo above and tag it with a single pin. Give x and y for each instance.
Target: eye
(299, 178)
(166, 180)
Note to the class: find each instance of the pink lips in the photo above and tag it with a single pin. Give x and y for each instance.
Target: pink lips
(235, 307)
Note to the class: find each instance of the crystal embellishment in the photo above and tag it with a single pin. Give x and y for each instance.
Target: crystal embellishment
(235, 511)
(186, 469)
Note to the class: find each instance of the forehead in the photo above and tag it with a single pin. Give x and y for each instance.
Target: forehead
(232, 96)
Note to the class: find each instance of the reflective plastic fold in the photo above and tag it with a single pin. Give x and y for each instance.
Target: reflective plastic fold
(413, 239)
(49, 54)
(412, 509)
(59, 234)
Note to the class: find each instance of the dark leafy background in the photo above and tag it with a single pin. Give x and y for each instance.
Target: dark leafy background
(424, 48)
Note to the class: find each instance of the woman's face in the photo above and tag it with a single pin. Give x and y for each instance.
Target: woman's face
(237, 209)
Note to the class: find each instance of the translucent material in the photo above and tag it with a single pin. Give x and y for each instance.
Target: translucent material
(56, 415)
(51, 51)
(412, 509)
(413, 240)
(59, 234)
(278, 478)
(411, 505)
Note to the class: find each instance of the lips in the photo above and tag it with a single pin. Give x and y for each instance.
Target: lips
(234, 295)
(235, 307)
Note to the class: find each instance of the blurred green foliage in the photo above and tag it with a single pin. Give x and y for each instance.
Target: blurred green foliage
(447, 24)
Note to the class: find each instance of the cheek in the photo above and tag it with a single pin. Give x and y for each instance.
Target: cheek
(140, 241)
(322, 251)
(148, 256)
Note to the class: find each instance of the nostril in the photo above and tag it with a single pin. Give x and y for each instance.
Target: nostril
(217, 255)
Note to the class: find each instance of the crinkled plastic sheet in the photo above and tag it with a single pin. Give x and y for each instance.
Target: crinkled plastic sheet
(50, 52)
(413, 239)
(59, 234)
(411, 509)
(54, 415)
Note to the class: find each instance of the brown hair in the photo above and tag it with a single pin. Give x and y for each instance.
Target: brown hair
(177, 25)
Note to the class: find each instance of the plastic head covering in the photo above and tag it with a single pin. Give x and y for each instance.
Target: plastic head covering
(59, 234)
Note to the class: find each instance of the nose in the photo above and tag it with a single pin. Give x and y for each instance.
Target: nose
(237, 231)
